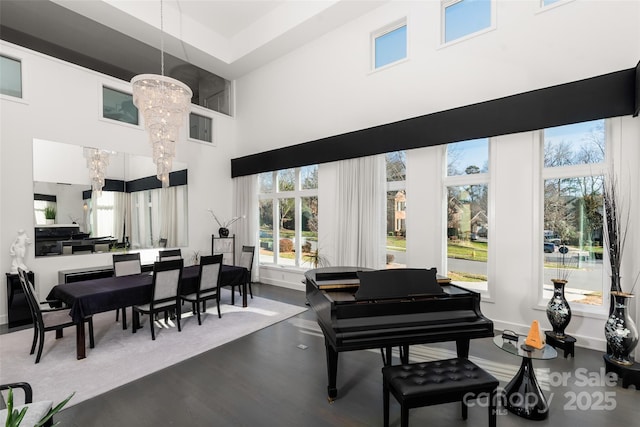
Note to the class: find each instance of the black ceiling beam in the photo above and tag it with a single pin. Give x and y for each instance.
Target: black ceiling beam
(608, 95)
(51, 49)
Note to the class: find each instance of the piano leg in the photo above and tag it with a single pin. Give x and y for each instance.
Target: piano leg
(404, 354)
(462, 347)
(332, 371)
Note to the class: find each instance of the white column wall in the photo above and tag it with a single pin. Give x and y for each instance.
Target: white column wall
(62, 103)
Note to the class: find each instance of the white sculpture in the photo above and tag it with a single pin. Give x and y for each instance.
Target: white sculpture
(18, 250)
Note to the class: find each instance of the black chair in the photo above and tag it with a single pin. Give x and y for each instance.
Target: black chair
(47, 319)
(126, 265)
(162, 243)
(246, 261)
(36, 411)
(165, 294)
(208, 285)
(170, 254)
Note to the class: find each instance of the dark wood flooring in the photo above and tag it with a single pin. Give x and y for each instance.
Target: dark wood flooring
(265, 379)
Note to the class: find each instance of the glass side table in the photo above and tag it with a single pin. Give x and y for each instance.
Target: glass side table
(523, 396)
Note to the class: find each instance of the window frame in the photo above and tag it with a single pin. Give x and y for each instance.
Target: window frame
(612, 144)
(483, 178)
(387, 29)
(545, 7)
(23, 79)
(198, 112)
(118, 87)
(444, 4)
(275, 195)
(397, 186)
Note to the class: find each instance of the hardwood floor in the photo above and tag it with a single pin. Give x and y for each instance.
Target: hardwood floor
(266, 379)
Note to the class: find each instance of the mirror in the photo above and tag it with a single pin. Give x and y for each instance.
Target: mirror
(132, 211)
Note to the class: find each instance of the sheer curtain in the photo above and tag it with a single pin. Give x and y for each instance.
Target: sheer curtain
(120, 202)
(140, 220)
(159, 213)
(173, 215)
(246, 206)
(360, 203)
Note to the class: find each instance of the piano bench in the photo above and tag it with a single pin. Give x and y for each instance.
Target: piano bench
(440, 381)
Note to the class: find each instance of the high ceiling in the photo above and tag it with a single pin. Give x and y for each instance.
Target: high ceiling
(225, 37)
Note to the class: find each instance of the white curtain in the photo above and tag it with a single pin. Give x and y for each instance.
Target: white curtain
(246, 206)
(173, 216)
(361, 204)
(120, 201)
(140, 220)
(159, 214)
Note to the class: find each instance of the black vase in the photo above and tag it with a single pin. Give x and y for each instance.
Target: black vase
(620, 331)
(223, 231)
(558, 310)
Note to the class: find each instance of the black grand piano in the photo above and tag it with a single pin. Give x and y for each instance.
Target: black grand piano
(361, 309)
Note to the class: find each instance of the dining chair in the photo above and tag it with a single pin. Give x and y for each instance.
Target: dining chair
(170, 254)
(208, 285)
(165, 294)
(126, 265)
(47, 319)
(246, 261)
(162, 243)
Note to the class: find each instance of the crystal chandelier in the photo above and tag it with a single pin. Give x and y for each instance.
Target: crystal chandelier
(97, 162)
(164, 102)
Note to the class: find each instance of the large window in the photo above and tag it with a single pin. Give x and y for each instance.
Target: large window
(573, 179)
(396, 209)
(117, 105)
(467, 192)
(390, 45)
(464, 17)
(10, 77)
(288, 209)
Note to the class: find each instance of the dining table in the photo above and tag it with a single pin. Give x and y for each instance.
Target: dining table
(88, 297)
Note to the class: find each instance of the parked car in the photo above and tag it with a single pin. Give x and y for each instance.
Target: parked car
(549, 247)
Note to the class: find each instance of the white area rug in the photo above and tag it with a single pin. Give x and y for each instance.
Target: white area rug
(120, 357)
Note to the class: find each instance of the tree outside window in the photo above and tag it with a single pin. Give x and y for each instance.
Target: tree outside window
(574, 157)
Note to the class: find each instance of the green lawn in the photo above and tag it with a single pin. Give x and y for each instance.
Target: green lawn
(474, 251)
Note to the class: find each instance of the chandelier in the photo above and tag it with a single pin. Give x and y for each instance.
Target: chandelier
(97, 162)
(164, 102)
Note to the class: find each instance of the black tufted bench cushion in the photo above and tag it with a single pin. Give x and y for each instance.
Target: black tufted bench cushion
(441, 381)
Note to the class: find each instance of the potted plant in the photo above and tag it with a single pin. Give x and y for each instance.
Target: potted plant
(317, 260)
(50, 214)
(14, 417)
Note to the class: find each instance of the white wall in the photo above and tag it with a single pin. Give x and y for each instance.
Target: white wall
(62, 103)
(326, 88)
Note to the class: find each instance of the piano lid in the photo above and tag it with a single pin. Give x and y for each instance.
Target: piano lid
(398, 283)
